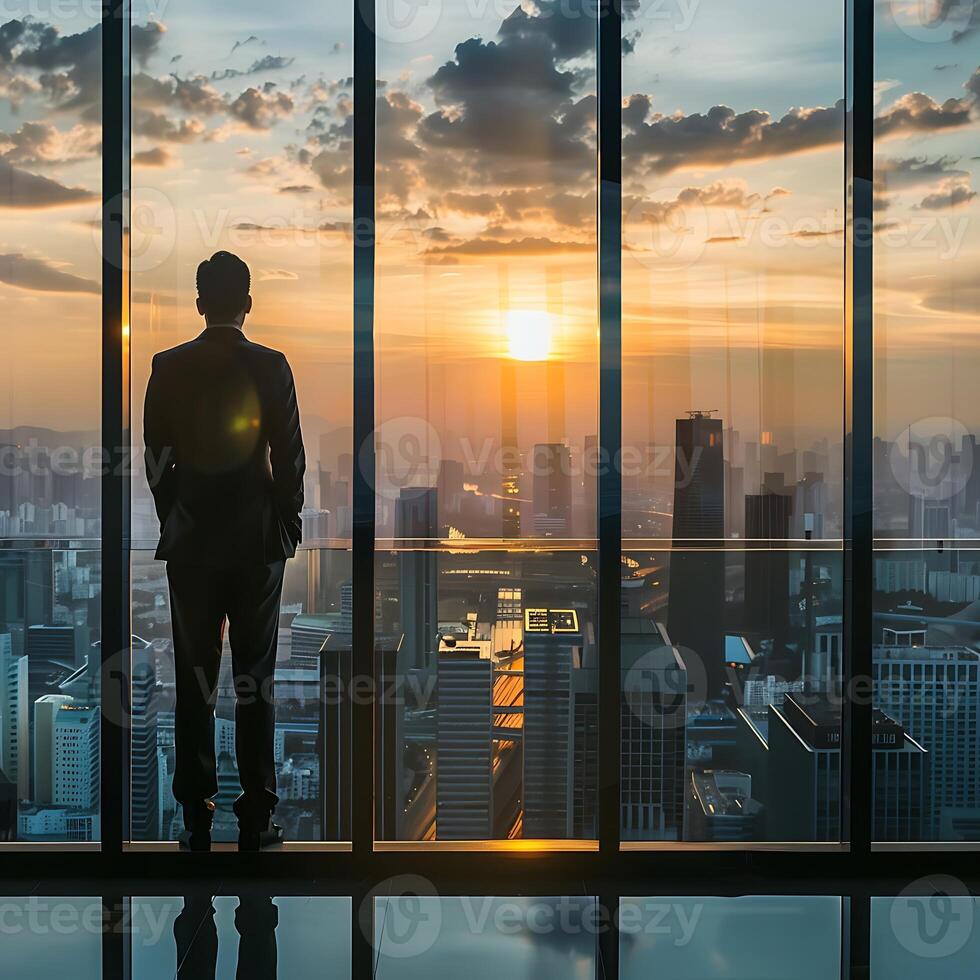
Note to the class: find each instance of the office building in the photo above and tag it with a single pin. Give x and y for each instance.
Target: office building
(933, 692)
(46, 710)
(696, 605)
(76, 757)
(803, 782)
(416, 523)
(767, 520)
(146, 805)
(14, 717)
(552, 489)
(653, 734)
(553, 644)
(464, 742)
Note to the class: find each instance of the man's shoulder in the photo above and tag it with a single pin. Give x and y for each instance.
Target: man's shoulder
(173, 354)
(268, 357)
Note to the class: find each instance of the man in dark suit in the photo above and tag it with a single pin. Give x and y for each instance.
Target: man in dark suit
(224, 453)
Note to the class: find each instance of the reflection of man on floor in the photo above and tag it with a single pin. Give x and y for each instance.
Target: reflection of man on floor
(256, 919)
(225, 460)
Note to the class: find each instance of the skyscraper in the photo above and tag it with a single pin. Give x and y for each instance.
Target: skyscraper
(14, 718)
(552, 489)
(464, 743)
(933, 692)
(416, 523)
(145, 806)
(76, 757)
(804, 791)
(696, 602)
(46, 710)
(653, 734)
(552, 651)
(767, 519)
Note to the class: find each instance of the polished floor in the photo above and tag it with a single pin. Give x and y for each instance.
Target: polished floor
(416, 936)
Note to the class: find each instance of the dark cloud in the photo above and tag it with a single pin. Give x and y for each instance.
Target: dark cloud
(41, 276)
(261, 108)
(567, 26)
(661, 143)
(20, 189)
(519, 96)
(902, 172)
(257, 108)
(251, 39)
(158, 156)
(157, 126)
(917, 112)
(953, 195)
(720, 136)
(268, 63)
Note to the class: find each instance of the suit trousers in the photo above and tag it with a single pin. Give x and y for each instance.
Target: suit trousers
(202, 600)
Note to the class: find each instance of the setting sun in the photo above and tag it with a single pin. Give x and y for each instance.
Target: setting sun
(529, 335)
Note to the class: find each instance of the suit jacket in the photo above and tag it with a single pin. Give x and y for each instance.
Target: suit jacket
(224, 452)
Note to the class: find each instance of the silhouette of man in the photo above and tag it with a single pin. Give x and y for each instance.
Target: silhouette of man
(224, 455)
(196, 935)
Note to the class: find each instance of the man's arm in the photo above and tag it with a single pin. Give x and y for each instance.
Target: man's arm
(287, 456)
(159, 456)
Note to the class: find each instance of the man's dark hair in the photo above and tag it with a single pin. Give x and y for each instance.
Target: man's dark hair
(223, 282)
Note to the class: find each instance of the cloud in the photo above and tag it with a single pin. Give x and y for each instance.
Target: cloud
(21, 189)
(157, 126)
(662, 144)
(917, 112)
(952, 194)
(158, 156)
(40, 143)
(520, 96)
(257, 108)
(41, 276)
(267, 275)
(261, 108)
(901, 172)
(729, 194)
(269, 62)
(251, 39)
(483, 247)
(948, 186)
(659, 143)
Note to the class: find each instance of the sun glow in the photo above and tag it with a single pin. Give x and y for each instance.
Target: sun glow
(529, 334)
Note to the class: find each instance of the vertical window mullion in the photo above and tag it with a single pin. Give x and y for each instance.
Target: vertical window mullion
(362, 741)
(115, 608)
(858, 523)
(610, 88)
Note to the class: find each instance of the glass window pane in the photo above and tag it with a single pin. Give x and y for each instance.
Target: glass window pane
(926, 477)
(487, 395)
(242, 141)
(733, 306)
(50, 419)
(746, 938)
(423, 936)
(52, 936)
